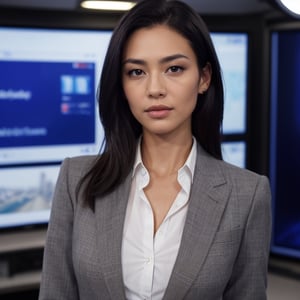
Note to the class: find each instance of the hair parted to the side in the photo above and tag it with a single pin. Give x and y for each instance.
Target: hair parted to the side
(120, 127)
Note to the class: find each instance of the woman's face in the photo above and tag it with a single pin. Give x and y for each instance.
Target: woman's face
(161, 80)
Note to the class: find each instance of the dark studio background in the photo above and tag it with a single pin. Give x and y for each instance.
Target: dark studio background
(274, 157)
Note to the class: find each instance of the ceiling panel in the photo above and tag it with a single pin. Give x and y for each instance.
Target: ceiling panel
(48, 4)
(202, 6)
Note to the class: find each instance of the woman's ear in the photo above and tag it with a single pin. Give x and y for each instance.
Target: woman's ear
(205, 78)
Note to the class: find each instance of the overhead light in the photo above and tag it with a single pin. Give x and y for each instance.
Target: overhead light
(292, 7)
(108, 5)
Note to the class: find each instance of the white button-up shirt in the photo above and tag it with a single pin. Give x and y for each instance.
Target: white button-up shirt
(148, 259)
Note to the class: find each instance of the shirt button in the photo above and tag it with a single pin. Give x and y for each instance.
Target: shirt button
(149, 260)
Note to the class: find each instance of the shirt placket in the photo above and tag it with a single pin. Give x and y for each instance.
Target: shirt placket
(148, 243)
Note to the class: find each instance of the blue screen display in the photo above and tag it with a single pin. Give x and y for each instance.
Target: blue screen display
(285, 142)
(48, 84)
(42, 103)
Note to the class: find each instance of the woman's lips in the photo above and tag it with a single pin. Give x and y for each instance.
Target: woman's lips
(158, 111)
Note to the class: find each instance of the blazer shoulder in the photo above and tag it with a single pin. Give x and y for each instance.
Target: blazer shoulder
(238, 172)
(73, 169)
(80, 163)
(214, 167)
(245, 180)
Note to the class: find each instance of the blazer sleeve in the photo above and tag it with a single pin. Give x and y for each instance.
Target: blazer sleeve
(249, 276)
(58, 280)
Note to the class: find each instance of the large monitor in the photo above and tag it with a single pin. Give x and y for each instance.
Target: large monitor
(48, 80)
(48, 110)
(285, 141)
(232, 50)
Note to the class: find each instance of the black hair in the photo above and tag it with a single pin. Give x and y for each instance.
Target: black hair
(120, 127)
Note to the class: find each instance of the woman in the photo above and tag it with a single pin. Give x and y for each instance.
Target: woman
(158, 215)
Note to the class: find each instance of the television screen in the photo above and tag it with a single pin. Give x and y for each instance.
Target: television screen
(48, 109)
(285, 141)
(26, 194)
(234, 152)
(232, 50)
(45, 91)
(48, 80)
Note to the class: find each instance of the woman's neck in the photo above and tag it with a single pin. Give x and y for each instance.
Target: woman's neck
(164, 157)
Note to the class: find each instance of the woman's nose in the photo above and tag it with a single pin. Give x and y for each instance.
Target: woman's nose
(156, 86)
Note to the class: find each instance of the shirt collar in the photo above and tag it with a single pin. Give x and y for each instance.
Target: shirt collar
(190, 163)
(138, 163)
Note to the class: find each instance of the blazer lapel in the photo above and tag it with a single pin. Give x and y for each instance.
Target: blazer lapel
(110, 213)
(208, 199)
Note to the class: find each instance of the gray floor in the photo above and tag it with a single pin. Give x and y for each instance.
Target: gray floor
(282, 287)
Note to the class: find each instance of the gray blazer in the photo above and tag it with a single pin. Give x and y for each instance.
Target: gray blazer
(223, 252)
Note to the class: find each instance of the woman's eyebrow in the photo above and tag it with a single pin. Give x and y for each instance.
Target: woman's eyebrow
(172, 57)
(134, 61)
(162, 60)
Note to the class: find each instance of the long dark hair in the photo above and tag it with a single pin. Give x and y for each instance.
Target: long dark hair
(121, 128)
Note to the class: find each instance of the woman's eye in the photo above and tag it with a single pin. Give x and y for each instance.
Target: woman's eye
(135, 72)
(175, 69)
